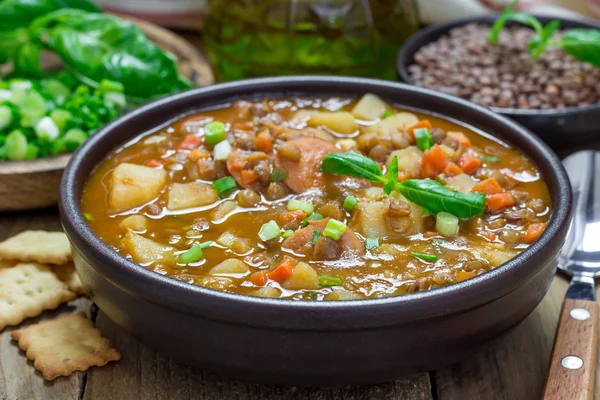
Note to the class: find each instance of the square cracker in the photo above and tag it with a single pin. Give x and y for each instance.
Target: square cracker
(40, 246)
(68, 275)
(28, 289)
(64, 345)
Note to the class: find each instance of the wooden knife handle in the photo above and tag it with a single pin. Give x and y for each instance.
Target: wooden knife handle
(572, 368)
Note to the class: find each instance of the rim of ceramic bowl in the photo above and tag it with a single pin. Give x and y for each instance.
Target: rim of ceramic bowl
(326, 315)
(405, 58)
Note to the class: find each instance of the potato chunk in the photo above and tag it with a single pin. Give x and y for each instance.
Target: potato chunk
(231, 266)
(409, 160)
(396, 123)
(134, 185)
(136, 223)
(194, 194)
(303, 277)
(267, 291)
(143, 250)
(340, 122)
(461, 183)
(370, 220)
(342, 294)
(369, 108)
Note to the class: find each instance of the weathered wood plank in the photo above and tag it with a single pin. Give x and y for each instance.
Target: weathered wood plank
(18, 379)
(514, 368)
(144, 374)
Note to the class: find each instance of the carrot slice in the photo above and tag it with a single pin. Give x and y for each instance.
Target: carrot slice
(461, 138)
(248, 177)
(424, 123)
(289, 216)
(499, 201)
(264, 141)
(283, 271)
(274, 128)
(154, 163)
(469, 163)
(259, 278)
(434, 162)
(533, 232)
(452, 170)
(189, 142)
(488, 186)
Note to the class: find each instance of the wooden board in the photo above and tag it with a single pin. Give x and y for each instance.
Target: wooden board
(513, 368)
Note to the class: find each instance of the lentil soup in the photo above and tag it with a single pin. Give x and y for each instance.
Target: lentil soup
(317, 199)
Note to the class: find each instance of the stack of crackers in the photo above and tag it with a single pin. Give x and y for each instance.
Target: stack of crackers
(37, 274)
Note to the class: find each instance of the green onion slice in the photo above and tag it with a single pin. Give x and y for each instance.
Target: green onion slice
(314, 216)
(192, 255)
(214, 132)
(423, 137)
(387, 114)
(349, 203)
(371, 243)
(315, 237)
(426, 257)
(303, 206)
(269, 231)
(490, 159)
(446, 224)
(334, 229)
(287, 233)
(224, 185)
(328, 281)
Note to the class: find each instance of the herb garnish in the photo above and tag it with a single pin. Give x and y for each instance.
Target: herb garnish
(428, 194)
(582, 44)
(426, 257)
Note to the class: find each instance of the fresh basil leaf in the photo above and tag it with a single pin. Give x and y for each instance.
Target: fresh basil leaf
(10, 42)
(95, 47)
(433, 198)
(582, 44)
(501, 21)
(20, 13)
(352, 164)
(391, 176)
(27, 61)
(539, 42)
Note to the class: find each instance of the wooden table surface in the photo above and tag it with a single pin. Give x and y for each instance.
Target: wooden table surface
(512, 368)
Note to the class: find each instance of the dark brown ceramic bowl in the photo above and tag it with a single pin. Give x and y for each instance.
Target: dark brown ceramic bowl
(560, 128)
(301, 342)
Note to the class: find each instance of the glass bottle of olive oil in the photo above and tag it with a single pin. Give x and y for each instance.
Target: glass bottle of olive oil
(252, 38)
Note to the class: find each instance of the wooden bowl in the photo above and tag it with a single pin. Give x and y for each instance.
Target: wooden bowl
(27, 185)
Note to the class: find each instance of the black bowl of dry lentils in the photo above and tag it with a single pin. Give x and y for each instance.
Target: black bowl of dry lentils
(555, 95)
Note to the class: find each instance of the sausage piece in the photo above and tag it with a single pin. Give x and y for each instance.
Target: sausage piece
(305, 172)
(301, 242)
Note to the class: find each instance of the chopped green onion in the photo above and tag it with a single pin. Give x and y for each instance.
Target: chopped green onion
(15, 145)
(74, 138)
(222, 150)
(329, 281)
(214, 132)
(5, 117)
(269, 231)
(287, 233)
(490, 159)
(349, 203)
(192, 255)
(224, 185)
(315, 237)
(56, 89)
(88, 216)
(32, 152)
(206, 244)
(303, 206)
(371, 243)
(311, 217)
(423, 137)
(387, 114)
(108, 86)
(32, 107)
(446, 224)
(278, 175)
(334, 229)
(61, 118)
(20, 84)
(46, 129)
(5, 95)
(116, 100)
(426, 257)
